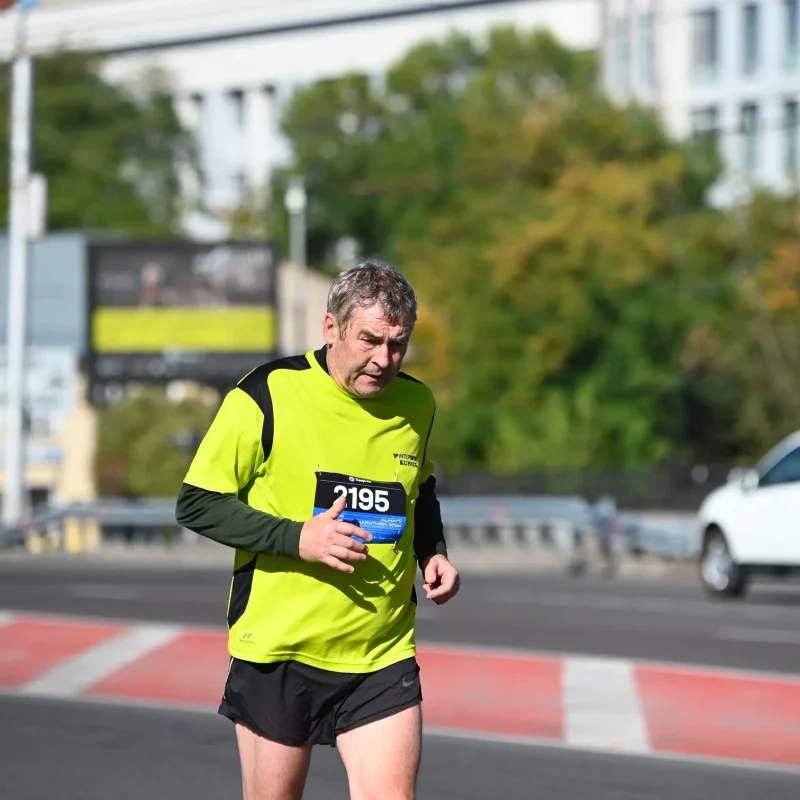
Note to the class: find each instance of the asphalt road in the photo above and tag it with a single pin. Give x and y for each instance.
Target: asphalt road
(642, 619)
(84, 752)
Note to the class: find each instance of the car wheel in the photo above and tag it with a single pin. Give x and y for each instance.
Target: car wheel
(720, 574)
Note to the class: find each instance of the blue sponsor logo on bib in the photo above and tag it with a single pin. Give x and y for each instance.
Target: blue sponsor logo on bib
(376, 507)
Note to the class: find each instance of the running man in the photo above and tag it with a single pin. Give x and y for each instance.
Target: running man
(316, 470)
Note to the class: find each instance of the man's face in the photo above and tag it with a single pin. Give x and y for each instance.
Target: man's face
(371, 353)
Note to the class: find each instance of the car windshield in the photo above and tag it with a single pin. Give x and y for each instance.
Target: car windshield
(780, 450)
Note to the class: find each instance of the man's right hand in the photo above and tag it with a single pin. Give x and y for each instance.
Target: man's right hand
(328, 540)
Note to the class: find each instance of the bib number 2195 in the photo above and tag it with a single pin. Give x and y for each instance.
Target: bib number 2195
(374, 506)
(363, 498)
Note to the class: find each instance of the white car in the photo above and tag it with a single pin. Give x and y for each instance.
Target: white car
(751, 526)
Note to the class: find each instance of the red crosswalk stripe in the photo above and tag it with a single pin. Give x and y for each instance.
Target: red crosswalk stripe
(605, 704)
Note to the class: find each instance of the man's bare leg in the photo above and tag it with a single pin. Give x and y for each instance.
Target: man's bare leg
(271, 771)
(382, 758)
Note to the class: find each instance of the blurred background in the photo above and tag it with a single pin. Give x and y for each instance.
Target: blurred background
(597, 203)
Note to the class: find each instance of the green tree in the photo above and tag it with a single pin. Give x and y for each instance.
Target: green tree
(575, 286)
(562, 296)
(333, 126)
(567, 278)
(145, 444)
(379, 157)
(761, 334)
(111, 154)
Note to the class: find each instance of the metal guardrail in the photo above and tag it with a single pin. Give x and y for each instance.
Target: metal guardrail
(675, 540)
(490, 521)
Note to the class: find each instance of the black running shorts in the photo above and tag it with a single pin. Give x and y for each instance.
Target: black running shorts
(294, 704)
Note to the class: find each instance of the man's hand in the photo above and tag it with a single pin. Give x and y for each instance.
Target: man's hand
(326, 539)
(442, 580)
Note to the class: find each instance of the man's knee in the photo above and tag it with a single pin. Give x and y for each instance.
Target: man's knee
(271, 771)
(387, 787)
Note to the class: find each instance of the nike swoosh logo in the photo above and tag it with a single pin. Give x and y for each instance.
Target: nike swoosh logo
(406, 684)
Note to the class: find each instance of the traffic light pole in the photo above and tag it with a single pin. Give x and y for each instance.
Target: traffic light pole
(21, 103)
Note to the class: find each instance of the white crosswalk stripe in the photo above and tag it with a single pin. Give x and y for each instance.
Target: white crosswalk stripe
(73, 676)
(602, 707)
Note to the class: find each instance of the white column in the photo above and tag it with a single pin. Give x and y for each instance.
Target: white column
(773, 143)
(258, 120)
(673, 65)
(772, 52)
(189, 108)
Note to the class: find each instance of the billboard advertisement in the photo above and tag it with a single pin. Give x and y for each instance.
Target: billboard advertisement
(180, 311)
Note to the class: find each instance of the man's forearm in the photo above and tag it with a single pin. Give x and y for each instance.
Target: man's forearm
(428, 528)
(227, 520)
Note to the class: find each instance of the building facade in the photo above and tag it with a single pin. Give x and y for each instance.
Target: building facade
(60, 422)
(234, 65)
(58, 444)
(725, 68)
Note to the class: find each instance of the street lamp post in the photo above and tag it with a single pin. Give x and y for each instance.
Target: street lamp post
(21, 104)
(296, 201)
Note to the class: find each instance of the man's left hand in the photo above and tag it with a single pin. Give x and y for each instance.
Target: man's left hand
(442, 580)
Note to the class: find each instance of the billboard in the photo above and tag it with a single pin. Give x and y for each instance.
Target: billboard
(180, 311)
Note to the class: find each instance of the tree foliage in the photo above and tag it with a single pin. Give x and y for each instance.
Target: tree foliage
(111, 154)
(581, 302)
(378, 156)
(547, 284)
(145, 444)
(762, 335)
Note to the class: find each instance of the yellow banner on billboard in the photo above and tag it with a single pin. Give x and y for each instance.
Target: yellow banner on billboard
(234, 329)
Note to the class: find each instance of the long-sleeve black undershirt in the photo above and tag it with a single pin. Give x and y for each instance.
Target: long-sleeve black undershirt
(224, 518)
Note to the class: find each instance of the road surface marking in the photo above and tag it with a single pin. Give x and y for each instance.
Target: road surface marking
(459, 648)
(764, 635)
(6, 618)
(598, 704)
(73, 676)
(87, 591)
(602, 707)
(653, 605)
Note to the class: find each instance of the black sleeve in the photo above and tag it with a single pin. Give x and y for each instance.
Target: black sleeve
(227, 520)
(428, 528)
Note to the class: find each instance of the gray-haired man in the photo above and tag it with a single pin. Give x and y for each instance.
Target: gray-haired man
(316, 470)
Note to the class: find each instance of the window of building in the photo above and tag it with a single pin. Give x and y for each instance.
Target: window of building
(750, 139)
(196, 108)
(239, 188)
(705, 44)
(38, 498)
(620, 52)
(791, 26)
(647, 49)
(705, 123)
(236, 100)
(750, 31)
(791, 120)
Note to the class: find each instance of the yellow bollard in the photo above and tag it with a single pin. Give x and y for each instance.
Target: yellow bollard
(91, 536)
(73, 540)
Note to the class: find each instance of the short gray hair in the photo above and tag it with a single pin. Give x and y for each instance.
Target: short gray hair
(369, 283)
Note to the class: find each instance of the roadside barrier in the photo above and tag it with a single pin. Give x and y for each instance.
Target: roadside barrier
(500, 524)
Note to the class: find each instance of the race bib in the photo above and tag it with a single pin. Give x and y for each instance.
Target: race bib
(379, 508)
